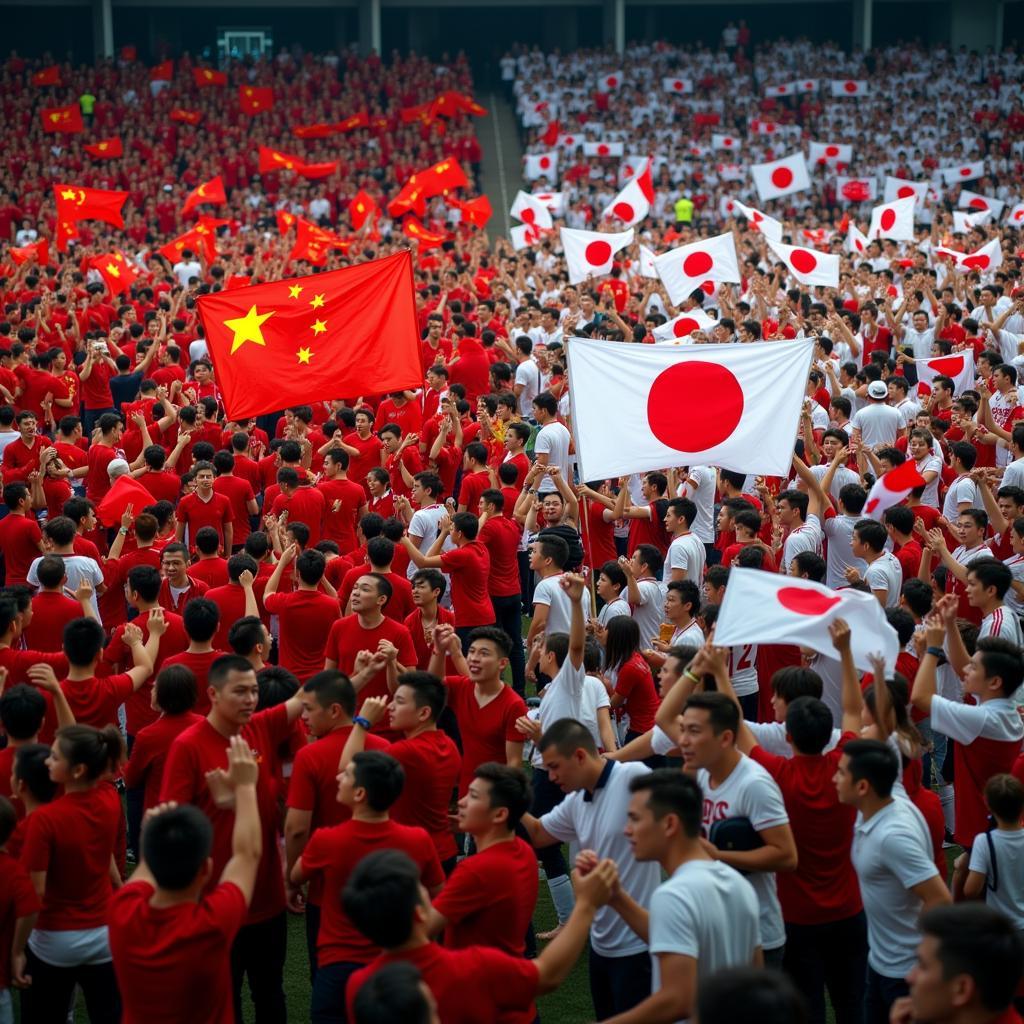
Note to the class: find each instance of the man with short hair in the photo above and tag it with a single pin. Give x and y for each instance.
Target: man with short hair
(877, 422)
(344, 500)
(205, 507)
(551, 445)
(686, 555)
(884, 574)
(21, 540)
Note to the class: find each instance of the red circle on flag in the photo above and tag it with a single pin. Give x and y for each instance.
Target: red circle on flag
(977, 261)
(612, 81)
(598, 253)
(850, 86)
(947, 366)
(757, 217)
(602, 150)
(780, 89)
(692, 426)
(808, 85)
(627, 170)
(624, 211)
(904, 191)
(977, 203)
(707, 287)
(770, 128)
(697, 263)
(871, 506)
(727, 142)
(782, 177)
(545, 161)
(887, 219)
(677, 84)
(528, 215)
(806, 602)
(683, 327)
(965, 172)
(859, 245)
(831, 151)
(803, 260)
(1019, 215)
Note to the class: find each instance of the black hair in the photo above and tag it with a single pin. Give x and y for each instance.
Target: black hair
(392, 993)
(381, 897)
(332, 686)
(509, 788)
(874, 762)
(201, 617)
(809, 724)
(98, 750)
(427, 691)
(671, 792)
(567, 735)
(246, 634)
(22, 710)
(380, 775)
(723, 712)
(83, 641)
(769, 997)
(30, 768)
(176, 689)
(175, 846)
(501, 640)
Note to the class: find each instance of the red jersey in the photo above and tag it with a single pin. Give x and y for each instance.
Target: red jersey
(342, 501)
(20, 539)
(307, 618)
(51, 612)
(501, 536)
(212, 571)
(194, 513)
(198, 663)
(239, 493)
(305, 505)
(425, 648)
(469, 567)
(94, 701)
(145, 767)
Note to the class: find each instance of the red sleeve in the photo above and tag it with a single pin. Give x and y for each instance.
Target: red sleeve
(226, 908)
(453, 561)
(274, 603)
(35, 854)
(302, 788)
(406, 650)
(179, 781)
(317, 856)
(463, 893)
(26, 900)
(138, 763)
(767, 760)
(629, 676)
(516, 709)
(118, 686)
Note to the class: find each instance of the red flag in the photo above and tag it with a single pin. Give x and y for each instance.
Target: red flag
(470, 105)
(63, 119)
(126, 490)
(409, 199)
(550, 136)
(163, 72)
(350, 124)
(75, 203)
(67, 232)
(107, 149)
(413, 228)
(421, 112)
(314, 131)
(211, 191)
(324, 170)
(193, 240)
(312, 243)
(276, 160)
(285, 221)
(204, 77)
(254, 99)
(40, 251)
(476, 211)
(48, 76)
(192, 117)
(308, 339)
(442, 177)
(117, 271)
(361, 209)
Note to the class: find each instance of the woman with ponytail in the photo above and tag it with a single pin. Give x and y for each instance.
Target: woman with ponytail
(69, 853)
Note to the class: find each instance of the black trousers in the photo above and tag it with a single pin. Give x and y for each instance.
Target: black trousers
(258, 953)
(618, 983)
(48, 998)
(327, 1005)
(879, 995)
(833, 955)
(508, 615)
(545, 796)
(312, 932)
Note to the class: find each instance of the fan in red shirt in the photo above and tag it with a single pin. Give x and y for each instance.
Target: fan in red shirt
(210, 567)
(475, 478)
(380, 553)
(202, 749)
(382, 498)
(177, 588)
(21, 540)
(428, 587)
(303, 504)
(401, 457)
(52, 609)
(21, 456)
(363, 446)
(237, 598)
(344, 501)
(204, 507)
(400, 408)
(239, 493)
(171, 935)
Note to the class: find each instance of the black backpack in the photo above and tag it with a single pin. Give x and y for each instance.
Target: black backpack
(572, 538)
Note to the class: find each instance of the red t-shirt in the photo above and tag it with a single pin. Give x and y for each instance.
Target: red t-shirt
(97, 480)
(163, 956)
(17, 899)
(501, 536)
(909, 556)
(199, 663)
(635, 682)
(400, 604)
(201, 749)
(469, 567)
(305, 505)
(230, 600)
(194, 513)
(51, 612)
(164, 485)
(212, 571)
(145, 767)
(368, 457)
(484, 730)
(239, 493)
(306, 619)
(424, 649)
(333, 853)
(19, 542)
(342, 500)
(170, 602)
(472, 486)
(72, 840)
(94, 701)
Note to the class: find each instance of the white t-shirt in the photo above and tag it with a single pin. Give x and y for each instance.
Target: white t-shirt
(1013, 475)
(931, 464)
(891, 853)
(750, 792)
(708, 911)
(619, 606)
(553, 440)
(76, 568)
(1002, 623)
(549, 592)
(1008, 897)
(840, 557)
(920, 341)
(886, 573)
(596, 824)
(571, 694)
(703, 496)
(843, 476)
(878, 423)
(425, 525)
(995, 719)
(649, 614)
(1015, 563)
(686, 553)
(184, 271)
(691, 636)
(801, 538)
(962, 489)
(743, 669)
(528, 374)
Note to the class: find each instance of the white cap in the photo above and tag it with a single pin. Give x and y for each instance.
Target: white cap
(116, 468)
(878, 389)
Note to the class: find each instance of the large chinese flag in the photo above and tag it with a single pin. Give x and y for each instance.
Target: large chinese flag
(347, 332)
(76, 203)
(254, 99)
(211, 191)
(63, 119)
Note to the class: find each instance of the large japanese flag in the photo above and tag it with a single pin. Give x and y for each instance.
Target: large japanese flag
(989, 257)
(807, 266)
(768, 226)
(684, 325)
(849, 87)
(964, 222)
(685, 269)
(643, 407)
(530, 210)
(891, 488)
(633, 203)
(764, 607)
(958, 366)
(591, 253)
(680, 86)
(830, 153)
(899, 188)
(978, 203)
(856, 240)
(1015, 218)
(781, 177)
(541, 165)
(963, 172)
(893, 220)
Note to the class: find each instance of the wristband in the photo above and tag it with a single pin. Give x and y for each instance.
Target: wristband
(121, 530)
(364, 722)
(689, 675)
(936, 652)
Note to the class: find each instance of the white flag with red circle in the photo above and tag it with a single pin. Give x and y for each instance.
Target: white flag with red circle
(1015, 218)
(891, 488)
(680, 86)
(766, 607)
(684, 325)
(807, 85)
(963, 172)
(541, 165)
(900, 188)
(768, 226)
(523, 236)
(633, 203)
(958, 366)
(781, 177)
(989, 257)
(648, 268)
(603, 148)
(611, 81)
(855, 87)
(592, 253)
(758, 126)
(893, 220)
(856, 240)
(964, 221)
(530, 210)
(632, 165)
(730, 143)
(785, 89)
(569, 141)
(554, 201)
(685, 269)
(686, 405)
(830, 153)
(855, 190)
(977, 203)
(807, 266)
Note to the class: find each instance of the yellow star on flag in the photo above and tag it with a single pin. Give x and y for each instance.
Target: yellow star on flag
(102, 146)
(317, 301)
(248, 328)
(68, 193)
(295, 290)
(319, 327)
(112, 268)
(304, 355)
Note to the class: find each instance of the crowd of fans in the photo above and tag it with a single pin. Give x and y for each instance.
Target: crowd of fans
(280, 665)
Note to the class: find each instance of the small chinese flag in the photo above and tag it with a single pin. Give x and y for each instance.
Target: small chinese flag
(204, 77)
(347, 332)
(276, 160)
(194, 241)
(408, 200)
(362, 207)
(48, 76)
(470, 105)
(163, 72)
(413, 228)
(192, 117)
(117, 271)
(313, 171)
(63, 119)
(476, 211)
(106, 149)
(315, 131)
(254, 99)
(40, 251)
(421, 112)
(350, 124)
(312, 243)
(76, 203)
(442, 177)
(285, 221)
(211, 191)
(66, 233)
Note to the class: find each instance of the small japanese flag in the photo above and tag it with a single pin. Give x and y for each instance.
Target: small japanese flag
(633, 203)
(1015, 218)
(807, 85)
(849, 87)
(959, 367)
(554, 201)
(768, 226)
(631, 166)
(964, 222)
(781, 177)
(830, 153)
(975, 203)
(730, 143)
(892, 487)
(899, 188)
(856, 241)
(530, 210)
(894, 220)
(855, 190)
(680, 86)
(610, 82)
(591, 253)
(541, 165)
(569, 141)
(648, 267)
(807, 266)
(684, 325)
(786, 89)
(759, 127)
(963, 172)
(989, 257)
(685, 269)
(523, 236)
(603, 149)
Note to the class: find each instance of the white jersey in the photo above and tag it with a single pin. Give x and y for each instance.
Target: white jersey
(686, 553)
(840, 556)
(886, 573)
(806, 537)
(649, 614)
(702, 493)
